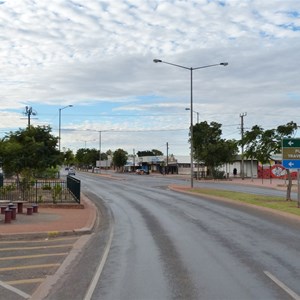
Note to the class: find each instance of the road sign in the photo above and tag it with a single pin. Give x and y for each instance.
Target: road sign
(291, 153)
(291, 158)
(291, 143)
(291, 164)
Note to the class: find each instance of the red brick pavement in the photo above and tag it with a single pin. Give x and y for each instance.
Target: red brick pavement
(52, 220)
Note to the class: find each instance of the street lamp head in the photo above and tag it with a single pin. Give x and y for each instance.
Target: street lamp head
(187, 108)
(224, 64)
(157, 60)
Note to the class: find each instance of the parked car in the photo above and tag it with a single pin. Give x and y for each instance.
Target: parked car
(141, 171)
(71, 172)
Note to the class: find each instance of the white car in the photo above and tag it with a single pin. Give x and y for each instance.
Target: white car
(71, 172)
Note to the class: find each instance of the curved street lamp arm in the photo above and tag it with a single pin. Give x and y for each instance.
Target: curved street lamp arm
(208, 66)
(187, 68)
(161, 61)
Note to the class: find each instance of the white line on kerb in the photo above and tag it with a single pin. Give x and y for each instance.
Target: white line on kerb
(96, 277)
(16, 291)
(283, 286)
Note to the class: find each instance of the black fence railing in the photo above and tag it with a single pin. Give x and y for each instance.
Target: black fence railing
(73, 185)
(37, 191)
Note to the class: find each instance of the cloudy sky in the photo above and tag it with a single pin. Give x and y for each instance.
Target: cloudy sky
(98, 56)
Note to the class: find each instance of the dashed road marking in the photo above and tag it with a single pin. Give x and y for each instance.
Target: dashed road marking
(283, 286)
(190, 216)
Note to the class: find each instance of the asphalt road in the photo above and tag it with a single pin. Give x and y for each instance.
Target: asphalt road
(154, 243)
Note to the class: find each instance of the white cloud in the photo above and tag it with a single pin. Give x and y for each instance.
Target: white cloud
(54, 53)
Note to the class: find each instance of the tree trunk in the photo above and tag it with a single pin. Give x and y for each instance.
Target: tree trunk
(289, 186)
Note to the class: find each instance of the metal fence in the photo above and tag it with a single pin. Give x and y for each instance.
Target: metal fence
(37, 191)
(73, 185)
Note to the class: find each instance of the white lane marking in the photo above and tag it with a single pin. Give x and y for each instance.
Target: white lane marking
(16, 291)
(191, 216)
(96, 277)
(283, 286)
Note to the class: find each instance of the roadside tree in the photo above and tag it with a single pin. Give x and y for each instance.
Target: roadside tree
(86, 157)
(210, 149)
(69, 158)
(262, 144)
(152, 152)
(29, 152)
(120, 158)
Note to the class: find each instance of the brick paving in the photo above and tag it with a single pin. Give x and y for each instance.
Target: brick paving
(51, 220)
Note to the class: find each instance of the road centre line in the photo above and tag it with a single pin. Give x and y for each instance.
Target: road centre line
(294, 295)
(33, 256)
(35, 248)
(13, 289)
(29, 267)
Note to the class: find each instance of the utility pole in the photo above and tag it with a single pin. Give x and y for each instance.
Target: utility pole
(99, 151)
(167, 168)
(28, 112)
(242, 115)
(133, 160)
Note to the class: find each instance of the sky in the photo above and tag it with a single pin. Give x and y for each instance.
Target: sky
(98, 57)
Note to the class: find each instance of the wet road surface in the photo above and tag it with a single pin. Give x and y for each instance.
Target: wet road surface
(167, 245)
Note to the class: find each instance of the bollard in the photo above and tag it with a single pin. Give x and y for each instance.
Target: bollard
(10, 205)
(35, 208)
(29, 210)
(7, 216)
(13, 212)
(3, 208)
(20, 207)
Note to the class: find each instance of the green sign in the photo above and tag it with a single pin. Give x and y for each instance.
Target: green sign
(291, 153)
(291, 143)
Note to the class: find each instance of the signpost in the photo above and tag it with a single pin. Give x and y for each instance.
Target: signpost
(291, 158)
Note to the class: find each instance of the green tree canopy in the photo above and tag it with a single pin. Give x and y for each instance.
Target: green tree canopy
(153, 152)
(120, 158)
(69, 157)
(32, 150)
(86, 157)
(262, 144)
(209, 148)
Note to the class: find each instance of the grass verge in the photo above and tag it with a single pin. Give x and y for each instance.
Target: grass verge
(277, 203)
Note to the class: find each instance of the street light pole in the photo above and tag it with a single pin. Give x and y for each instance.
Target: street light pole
(59, 125)
(191, 104)
(99, 151)
(242, 115)
(187, 108)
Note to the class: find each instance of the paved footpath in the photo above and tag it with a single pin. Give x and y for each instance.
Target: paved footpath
(280, 184)
(49, 221)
